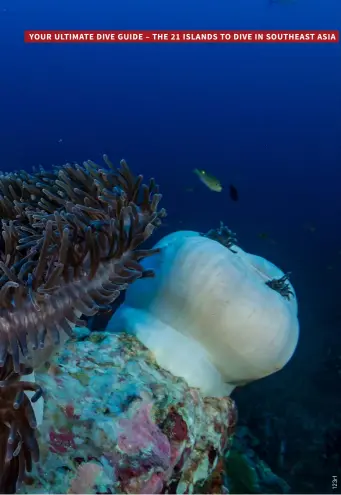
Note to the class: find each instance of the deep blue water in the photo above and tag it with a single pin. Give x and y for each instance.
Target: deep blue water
(264, 117)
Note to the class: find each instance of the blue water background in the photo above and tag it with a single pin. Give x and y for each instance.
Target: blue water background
(265, 117)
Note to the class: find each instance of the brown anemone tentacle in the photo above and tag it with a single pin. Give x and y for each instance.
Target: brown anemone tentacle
(69, 244)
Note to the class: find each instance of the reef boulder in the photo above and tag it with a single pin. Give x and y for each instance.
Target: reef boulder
(115, 422)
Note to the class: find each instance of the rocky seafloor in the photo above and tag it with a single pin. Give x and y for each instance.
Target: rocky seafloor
(115, 422)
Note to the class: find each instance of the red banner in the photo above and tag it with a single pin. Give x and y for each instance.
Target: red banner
(181, 36)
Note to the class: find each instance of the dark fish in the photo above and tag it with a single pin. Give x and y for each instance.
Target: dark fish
(234, 193)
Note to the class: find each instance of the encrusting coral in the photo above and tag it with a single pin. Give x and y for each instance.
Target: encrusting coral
(116, 422)
(68, 247)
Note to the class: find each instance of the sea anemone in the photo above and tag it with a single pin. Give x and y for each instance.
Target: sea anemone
(209, 316)
(68, 247)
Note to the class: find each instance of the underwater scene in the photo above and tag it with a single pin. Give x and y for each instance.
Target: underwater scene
(170, 251)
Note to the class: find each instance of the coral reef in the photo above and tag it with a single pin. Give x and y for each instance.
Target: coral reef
(69, 245)
(246, 472)
(117, 418)
(115, 422)
(294, 442)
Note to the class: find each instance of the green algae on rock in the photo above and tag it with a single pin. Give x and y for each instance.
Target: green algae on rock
(246, 472)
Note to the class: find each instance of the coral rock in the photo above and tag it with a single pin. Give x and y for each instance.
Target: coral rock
(118, 423)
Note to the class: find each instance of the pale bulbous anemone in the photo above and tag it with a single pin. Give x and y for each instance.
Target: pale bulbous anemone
(209, 315)
(70, 243)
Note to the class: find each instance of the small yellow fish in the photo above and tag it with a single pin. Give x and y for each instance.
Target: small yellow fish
(209, 180)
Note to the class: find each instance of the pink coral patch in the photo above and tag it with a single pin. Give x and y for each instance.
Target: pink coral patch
(140, 435)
